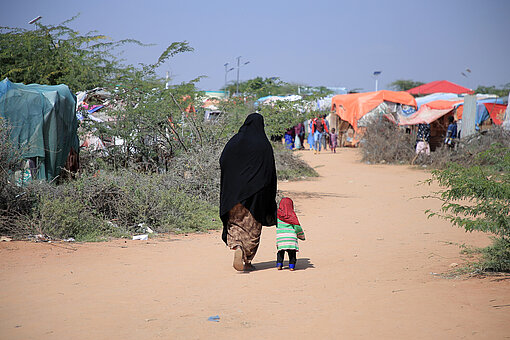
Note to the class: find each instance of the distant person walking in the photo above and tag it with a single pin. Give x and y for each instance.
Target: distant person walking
(289, 138)
(299, 136)
(451, 132)
(423, 139)
(320, 128)
(333, 140)
(288, 230)
(247, 190)
(311, 137)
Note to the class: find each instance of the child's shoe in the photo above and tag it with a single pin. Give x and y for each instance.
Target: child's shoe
(292, 267)
(279, 266)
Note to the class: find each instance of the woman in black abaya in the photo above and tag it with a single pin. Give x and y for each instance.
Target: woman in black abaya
(248, 190)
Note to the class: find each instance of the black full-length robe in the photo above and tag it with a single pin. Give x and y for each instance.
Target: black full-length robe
(248, 174)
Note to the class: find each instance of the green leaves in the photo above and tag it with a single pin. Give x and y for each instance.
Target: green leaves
(172, 50)
(404, 85)
(57, 54)
(477, 197)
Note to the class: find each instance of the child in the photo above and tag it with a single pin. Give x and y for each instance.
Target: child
(288, 230)
(333, 139)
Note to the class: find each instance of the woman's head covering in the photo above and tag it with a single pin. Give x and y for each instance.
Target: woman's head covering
(286, 212)
(248, 173)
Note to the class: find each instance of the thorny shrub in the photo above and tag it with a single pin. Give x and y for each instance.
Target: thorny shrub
(111, 204)
(385, 142)
(14, 202)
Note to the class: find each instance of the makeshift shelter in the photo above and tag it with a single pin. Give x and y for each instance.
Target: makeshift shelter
(430, 112)
(44, 125)
(436, 96)
(356, 109)
(488, 111)
(439, 86)
(352, 107)
(436, 114)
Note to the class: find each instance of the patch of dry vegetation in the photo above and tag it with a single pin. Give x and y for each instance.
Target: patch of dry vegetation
(385, 142)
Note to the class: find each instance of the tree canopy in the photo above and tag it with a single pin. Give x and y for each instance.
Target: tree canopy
(502, 91)
(57, 54)
(404, 85)
(260, 87)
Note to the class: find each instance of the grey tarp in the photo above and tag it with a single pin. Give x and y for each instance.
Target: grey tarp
(43, 122)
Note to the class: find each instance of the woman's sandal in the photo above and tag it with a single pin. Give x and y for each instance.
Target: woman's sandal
(238, 259)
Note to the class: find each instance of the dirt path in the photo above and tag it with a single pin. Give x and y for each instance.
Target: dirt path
(366, 271)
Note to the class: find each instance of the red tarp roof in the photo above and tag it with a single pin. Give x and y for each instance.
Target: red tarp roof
(439, 86)
(351, 107)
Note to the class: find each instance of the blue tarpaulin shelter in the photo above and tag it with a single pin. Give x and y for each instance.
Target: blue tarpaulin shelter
(44, 124)
(482, 114)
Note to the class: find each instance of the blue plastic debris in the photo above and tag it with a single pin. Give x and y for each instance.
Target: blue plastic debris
(215, 318)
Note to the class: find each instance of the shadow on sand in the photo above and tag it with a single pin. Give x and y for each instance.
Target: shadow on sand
(302, 264)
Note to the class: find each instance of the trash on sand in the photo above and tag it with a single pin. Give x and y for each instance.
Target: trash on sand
(70, 239)
(215, 318)
(112, 224)
(149, 230)
(40, 238)
(141, 237)
(5, 239)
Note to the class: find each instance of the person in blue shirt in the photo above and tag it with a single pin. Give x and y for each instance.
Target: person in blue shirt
(451, 132)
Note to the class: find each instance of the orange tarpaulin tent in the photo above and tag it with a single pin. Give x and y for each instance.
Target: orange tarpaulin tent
(351, 107)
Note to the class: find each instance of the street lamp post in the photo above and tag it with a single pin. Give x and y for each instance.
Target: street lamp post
(238, 67)
(227, 70)
(376, 74)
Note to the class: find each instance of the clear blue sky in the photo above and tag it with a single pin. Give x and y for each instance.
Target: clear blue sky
(331, 43)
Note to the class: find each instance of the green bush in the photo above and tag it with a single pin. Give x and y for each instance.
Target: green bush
(64, 218)
(477, 197)
(496, 257)
(289, 166)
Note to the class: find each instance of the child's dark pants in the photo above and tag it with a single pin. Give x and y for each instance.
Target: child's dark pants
(292, 256)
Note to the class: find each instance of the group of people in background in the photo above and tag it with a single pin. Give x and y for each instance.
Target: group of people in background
(319, 136)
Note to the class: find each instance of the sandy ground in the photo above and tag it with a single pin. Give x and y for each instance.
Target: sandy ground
(367, 270)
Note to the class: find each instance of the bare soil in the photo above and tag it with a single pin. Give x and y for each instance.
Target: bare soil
(370, 268)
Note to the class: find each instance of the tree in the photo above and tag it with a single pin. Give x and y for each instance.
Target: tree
(261, 87)
(502, 91)
(404, 85)
(57, 54)
(153, 122)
